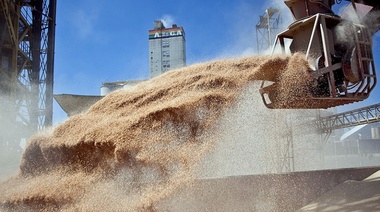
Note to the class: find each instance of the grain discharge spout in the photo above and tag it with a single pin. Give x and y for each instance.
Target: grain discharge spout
(339, 52)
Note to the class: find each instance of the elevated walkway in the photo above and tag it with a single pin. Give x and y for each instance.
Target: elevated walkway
(364, 115)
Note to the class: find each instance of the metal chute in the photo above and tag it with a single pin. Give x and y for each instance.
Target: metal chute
(339, 51)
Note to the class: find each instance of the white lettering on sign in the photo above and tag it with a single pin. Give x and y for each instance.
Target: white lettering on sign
(168, 34)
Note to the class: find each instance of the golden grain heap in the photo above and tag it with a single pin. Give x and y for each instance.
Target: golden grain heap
(138, 146)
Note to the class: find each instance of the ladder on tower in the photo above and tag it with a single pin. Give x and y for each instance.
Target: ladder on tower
(366, 64)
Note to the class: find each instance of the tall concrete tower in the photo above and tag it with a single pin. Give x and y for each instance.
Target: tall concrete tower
(167, 49)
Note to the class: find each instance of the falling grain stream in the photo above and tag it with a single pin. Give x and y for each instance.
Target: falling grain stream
(137, 147)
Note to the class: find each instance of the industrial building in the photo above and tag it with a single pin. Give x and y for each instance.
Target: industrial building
(251, 168)
(167, 48)
(167, 51)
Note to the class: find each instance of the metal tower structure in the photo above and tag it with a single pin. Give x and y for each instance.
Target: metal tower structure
(27, 37)
(267, 28)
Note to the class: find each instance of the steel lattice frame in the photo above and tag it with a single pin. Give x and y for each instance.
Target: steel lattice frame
(27, 32)
(365, 115)
(267, 28)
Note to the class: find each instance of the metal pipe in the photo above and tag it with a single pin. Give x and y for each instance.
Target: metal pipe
(312, 36)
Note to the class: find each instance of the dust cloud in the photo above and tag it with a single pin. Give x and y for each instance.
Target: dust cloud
(137, 147)
(10, 149)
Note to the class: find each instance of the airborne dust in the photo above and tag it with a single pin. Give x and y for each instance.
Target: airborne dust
(136, 147)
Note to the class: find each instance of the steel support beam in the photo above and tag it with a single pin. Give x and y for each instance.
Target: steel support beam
(27, 37)
(365, 115)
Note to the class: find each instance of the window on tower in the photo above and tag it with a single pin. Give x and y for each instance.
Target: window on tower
(166, 53)
(166, 63)
(165, 43)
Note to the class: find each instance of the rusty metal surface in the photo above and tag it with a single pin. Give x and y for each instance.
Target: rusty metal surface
(332, 83)
(276, 101)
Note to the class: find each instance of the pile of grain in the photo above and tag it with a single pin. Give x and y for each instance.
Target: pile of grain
(138, 146)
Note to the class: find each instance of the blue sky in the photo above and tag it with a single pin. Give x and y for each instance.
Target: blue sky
(104, 41)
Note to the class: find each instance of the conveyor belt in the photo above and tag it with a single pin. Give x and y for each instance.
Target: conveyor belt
(365, 115)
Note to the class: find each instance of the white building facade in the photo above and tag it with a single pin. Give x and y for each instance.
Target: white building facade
(167, 49)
